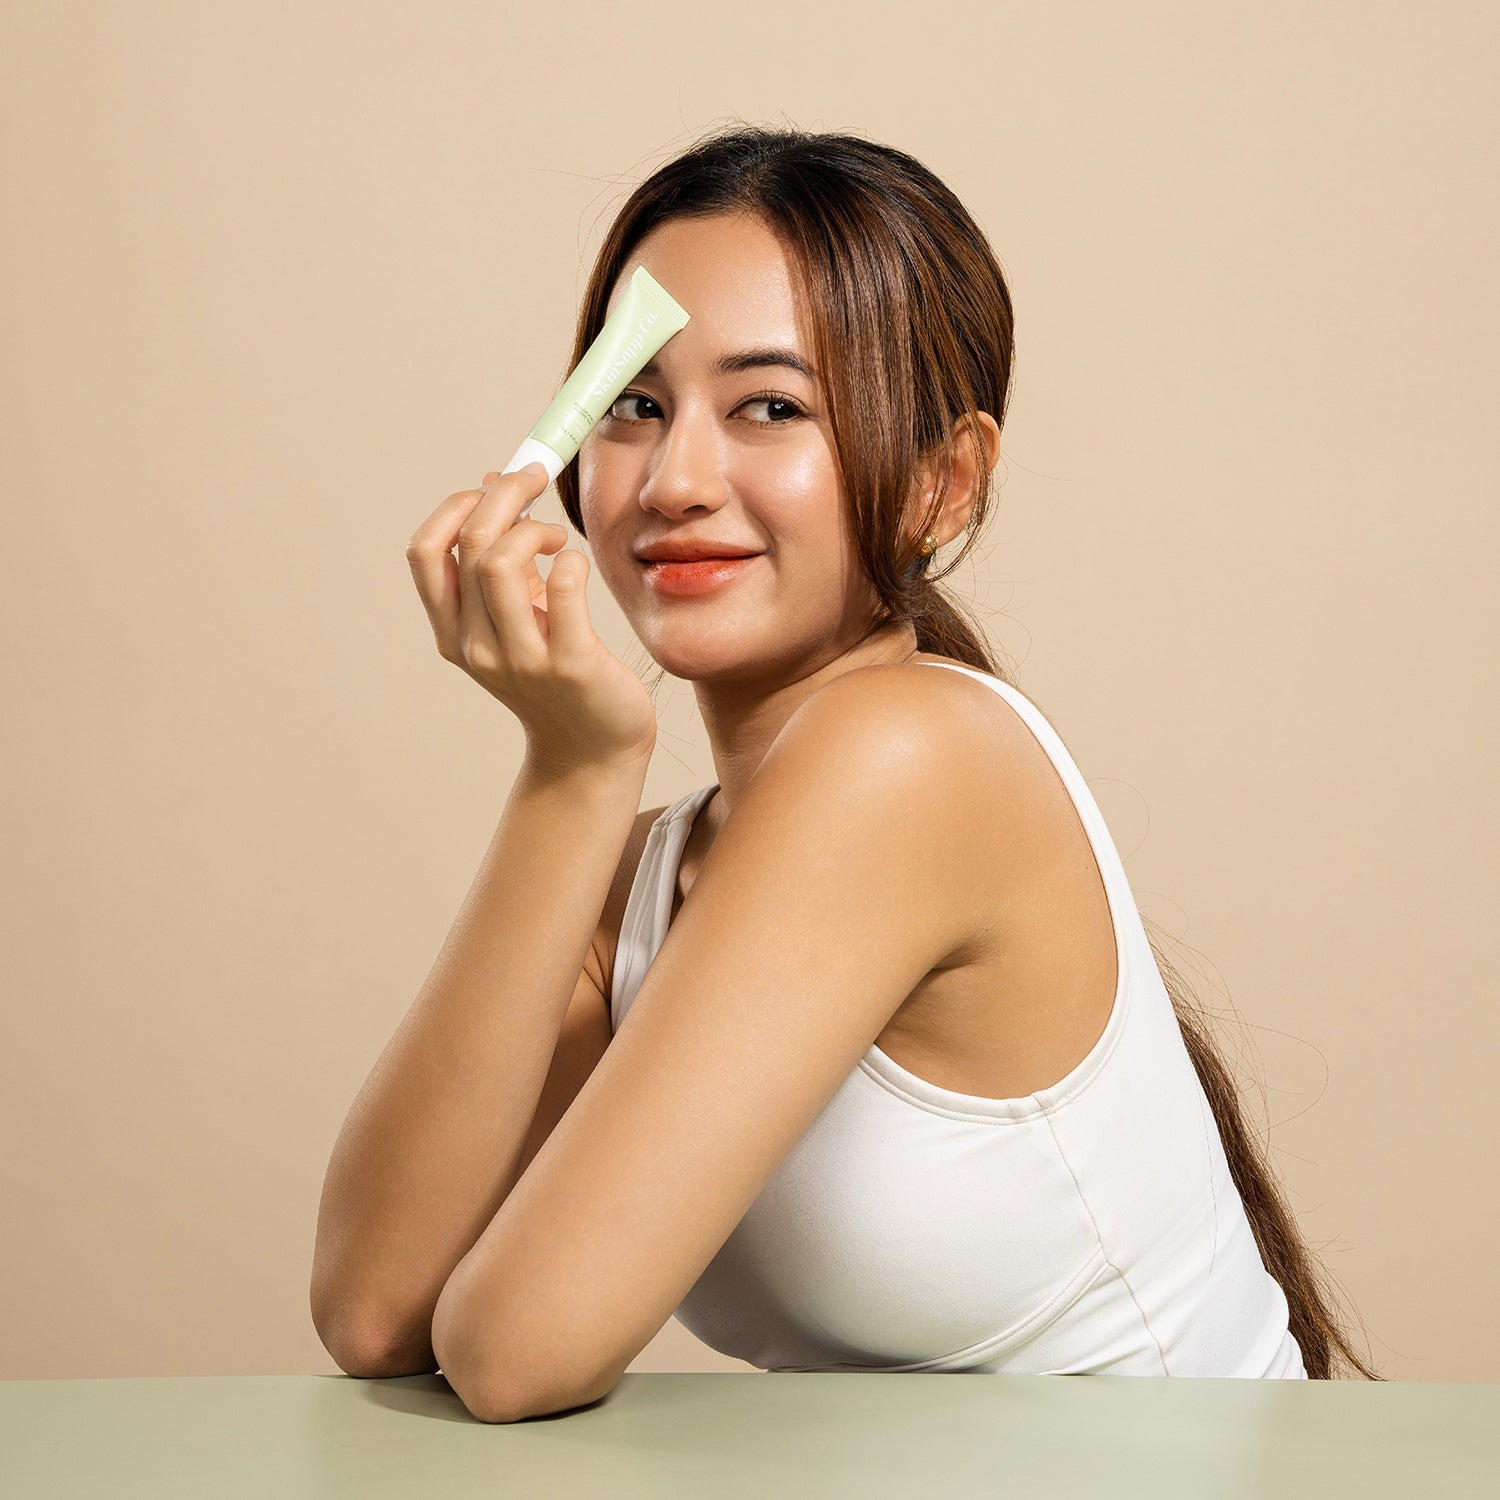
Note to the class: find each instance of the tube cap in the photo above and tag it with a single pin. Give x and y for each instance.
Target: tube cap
(533, 452)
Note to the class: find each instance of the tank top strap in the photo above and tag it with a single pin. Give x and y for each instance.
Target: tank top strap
(648, 907)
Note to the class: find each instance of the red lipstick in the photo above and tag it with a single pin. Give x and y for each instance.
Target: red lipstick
(687, 580)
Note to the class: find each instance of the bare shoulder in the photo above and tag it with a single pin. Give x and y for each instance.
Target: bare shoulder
(912, 768)
(946, 721)
(992, 793)
(957, 718)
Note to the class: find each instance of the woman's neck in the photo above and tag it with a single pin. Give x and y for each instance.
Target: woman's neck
(742, 726)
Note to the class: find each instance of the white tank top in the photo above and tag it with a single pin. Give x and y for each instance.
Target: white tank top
(1089, 1228)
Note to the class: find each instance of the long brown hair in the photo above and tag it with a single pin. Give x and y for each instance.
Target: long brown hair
(912, 324)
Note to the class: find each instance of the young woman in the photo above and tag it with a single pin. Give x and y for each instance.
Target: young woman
(859, 1057)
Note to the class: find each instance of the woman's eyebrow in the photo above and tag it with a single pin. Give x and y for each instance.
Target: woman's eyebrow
(750, 359)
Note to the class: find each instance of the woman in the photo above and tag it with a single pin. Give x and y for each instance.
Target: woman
(871, 1064)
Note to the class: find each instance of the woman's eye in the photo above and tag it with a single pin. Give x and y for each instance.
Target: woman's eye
(788, 410)
(779, 409)
(627, 397)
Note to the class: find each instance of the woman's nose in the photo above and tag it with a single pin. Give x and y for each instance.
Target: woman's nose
(687, 464)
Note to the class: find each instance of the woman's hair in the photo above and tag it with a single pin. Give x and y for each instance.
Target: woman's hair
(912, 326)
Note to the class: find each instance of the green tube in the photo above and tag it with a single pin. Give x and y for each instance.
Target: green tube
(644, 320)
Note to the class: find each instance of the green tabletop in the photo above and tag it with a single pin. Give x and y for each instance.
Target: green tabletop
(713, 1436)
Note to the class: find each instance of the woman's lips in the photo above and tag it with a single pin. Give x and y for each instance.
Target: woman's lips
(703, 576)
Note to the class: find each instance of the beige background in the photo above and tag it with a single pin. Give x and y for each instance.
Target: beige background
(280, 277)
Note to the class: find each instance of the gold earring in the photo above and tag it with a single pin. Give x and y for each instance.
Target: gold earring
(929, 544)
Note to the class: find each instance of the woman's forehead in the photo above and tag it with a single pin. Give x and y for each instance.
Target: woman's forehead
(729, 272)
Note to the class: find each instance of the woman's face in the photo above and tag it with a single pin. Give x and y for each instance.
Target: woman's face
(697, 450)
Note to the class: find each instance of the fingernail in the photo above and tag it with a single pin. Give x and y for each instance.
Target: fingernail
(535, 468)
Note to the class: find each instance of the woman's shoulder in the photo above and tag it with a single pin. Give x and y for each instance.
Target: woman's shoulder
(963, 712)
(989, 781)
(935, 754)
(880, 810)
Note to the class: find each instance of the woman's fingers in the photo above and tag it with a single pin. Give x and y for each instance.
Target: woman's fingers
(469, 520)
(570, 631)
(434, 570)
(506, 580)
(526, 640)
(499, 504)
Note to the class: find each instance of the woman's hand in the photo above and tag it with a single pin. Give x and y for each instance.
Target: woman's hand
(526, 640)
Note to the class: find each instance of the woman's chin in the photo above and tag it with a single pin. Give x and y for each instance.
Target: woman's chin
(697, 661)
(703, 650)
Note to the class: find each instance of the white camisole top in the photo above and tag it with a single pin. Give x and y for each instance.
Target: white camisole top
(1088, 1228)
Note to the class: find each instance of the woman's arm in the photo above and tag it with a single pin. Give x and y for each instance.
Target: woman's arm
(432, 1144)
(840, 878)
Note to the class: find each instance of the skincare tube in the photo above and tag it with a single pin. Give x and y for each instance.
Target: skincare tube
(644, 320)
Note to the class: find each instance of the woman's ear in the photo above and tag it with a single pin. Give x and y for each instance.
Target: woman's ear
(965, 482)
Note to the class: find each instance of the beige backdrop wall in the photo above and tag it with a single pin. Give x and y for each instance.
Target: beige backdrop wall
(278, 278)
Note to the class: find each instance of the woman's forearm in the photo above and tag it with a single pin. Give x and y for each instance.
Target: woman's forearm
(431, 1145)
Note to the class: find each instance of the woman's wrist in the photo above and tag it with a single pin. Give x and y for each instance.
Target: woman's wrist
(582, 768)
